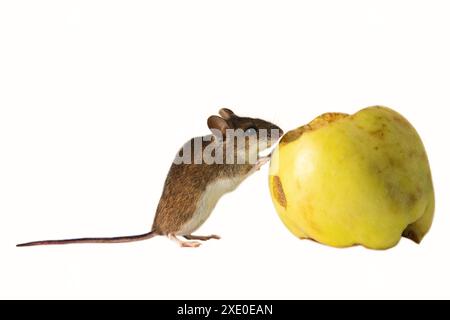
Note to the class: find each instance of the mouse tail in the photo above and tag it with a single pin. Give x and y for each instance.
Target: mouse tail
(138, 237)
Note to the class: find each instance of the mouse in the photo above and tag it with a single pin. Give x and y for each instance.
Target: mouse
(204, 169)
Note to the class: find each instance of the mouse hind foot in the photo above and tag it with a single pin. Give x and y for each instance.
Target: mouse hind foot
(201, 238)
(183, 244)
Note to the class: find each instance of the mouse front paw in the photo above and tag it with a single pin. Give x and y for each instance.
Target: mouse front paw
(260, 162)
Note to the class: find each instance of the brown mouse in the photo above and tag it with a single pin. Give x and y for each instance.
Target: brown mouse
(204, 169)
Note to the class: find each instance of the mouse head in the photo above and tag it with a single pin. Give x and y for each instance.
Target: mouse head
(248, 134)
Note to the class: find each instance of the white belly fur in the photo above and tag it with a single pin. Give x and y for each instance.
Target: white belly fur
(208, 201)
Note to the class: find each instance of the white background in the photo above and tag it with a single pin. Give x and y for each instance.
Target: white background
(97, 96)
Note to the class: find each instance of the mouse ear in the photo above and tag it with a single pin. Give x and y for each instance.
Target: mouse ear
(217, 123)
(226, 113)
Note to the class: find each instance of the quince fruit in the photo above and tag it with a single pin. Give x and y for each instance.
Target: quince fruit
(361, 179)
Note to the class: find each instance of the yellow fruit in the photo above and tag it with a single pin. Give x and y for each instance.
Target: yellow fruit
(361, 179)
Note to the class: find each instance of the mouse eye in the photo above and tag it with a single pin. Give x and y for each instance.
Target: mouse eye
(251, 130)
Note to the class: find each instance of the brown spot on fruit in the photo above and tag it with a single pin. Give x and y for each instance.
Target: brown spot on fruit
(377, 133)
(401, 121)
(278, 192)
(317, 123)
(412, 199)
